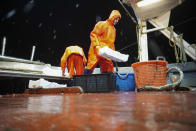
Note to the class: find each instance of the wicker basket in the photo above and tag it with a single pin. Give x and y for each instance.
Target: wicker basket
(150, 73)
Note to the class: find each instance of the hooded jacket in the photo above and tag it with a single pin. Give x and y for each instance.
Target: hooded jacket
(103, 34)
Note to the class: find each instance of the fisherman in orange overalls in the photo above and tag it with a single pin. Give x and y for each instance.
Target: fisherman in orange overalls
(103, 34)
(74, 59)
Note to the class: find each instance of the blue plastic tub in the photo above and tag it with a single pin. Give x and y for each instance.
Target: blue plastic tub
(125, 82)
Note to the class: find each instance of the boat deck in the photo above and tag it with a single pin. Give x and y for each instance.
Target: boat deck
(103, 111)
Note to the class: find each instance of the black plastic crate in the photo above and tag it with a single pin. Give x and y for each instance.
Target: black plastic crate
(96, 82)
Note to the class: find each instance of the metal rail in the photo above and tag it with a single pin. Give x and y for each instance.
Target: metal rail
(13, 59)
(29, 75)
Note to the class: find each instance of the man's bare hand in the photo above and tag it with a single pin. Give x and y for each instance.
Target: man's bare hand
(63, 73)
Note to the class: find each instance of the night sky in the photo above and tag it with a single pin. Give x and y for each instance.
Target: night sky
(52, 25)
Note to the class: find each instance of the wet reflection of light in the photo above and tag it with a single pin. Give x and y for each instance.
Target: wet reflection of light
(127, 98)
(47, 104)
(126, 106)
(151, 108)
(150, 117)
(67, 104)
(144, 110)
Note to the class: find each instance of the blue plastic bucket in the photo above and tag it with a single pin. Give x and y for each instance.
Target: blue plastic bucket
(125, 82)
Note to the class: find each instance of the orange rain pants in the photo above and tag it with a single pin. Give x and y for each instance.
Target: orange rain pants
(103, 34)
(75, 61)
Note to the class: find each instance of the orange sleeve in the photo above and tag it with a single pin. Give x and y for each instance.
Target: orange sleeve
(112, 47)
(63, 61)
(95, 34)
(84, 58)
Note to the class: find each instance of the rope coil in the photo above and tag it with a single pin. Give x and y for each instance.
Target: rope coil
(171, 86)
(179, 52)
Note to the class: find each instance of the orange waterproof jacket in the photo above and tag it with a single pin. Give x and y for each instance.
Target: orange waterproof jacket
(70, 50)
(103, 34)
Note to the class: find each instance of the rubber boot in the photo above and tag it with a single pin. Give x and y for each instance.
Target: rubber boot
(87, 71)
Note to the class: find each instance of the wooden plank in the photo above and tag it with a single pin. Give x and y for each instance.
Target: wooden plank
(74, 89)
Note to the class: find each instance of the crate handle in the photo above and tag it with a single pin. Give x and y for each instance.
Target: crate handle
(123, 77)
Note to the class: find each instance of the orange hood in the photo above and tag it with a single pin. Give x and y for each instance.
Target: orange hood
(114, 14)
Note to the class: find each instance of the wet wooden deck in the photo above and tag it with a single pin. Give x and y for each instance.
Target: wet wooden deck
(99, 112)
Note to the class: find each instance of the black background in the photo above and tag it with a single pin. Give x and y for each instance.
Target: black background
(52, 25)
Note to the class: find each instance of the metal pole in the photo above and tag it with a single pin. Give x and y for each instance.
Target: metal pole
(132, 18)
(143, 42)
(32, 53)
(3, 46)
(154, 29)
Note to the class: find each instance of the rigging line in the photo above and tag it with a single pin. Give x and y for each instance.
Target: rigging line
(132, 18)
(185, 21)
(132, 44)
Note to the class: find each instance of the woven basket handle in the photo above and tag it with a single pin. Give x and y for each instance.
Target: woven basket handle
(161, 58)
(167, 86)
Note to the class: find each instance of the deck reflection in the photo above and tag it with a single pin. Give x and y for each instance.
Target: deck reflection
(105, 111)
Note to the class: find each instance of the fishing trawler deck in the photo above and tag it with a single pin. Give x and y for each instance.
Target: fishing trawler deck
(143, 34)
(103, 111)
